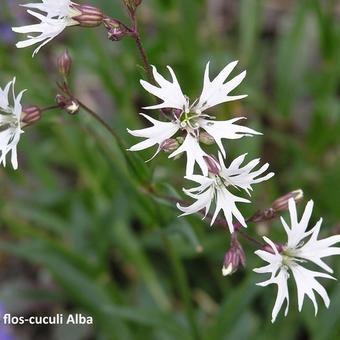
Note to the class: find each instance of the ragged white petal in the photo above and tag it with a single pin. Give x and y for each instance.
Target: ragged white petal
(314, 250)
(169, 92)
(298, 228)
(156, 134)
(204, 182)
(306, 285)
(194, 155)
(203, 201)
(244, 177)
(217, 91)
(52, 8)
(226, 202)
(225, 130)
(282, 294)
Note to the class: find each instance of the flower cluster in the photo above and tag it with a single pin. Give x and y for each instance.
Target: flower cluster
(187, 128)
(191, 121)
(302, 246)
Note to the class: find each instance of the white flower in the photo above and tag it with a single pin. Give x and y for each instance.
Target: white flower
(189, 119)
(59, 15)
(297, 251)
(216, 188)
(10, 124)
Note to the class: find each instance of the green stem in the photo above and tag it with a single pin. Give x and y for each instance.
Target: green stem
(49, 108)
(182, 284)
(136, 36)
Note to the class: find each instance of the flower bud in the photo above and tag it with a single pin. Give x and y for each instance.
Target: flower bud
(169, 145)
(72, 107)
(132, 4)
(264, 215)
(234, 258)
(60, 100)
(31, 114)
(117, 33)
(205, 138)
(64, 63)
(213, 165)
(115, 29)
(89, 16)
(269, 249)
(281, 203)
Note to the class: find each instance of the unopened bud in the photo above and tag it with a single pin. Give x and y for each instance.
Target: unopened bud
(72, 107)
(234, 258)
(64, 63)
(115, 29)
(269, 249)
(132, 4)
(31, 114)
(264, 215)
(117, 33)
(89, 16)
(281, 203)
(180, 141)
(213, 165)
(206, 138)
(60, 100)
(169, 145)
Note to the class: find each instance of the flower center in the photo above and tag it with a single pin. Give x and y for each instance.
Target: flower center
(223, 182)
(289, 258)
(189, 120)
(287, 261)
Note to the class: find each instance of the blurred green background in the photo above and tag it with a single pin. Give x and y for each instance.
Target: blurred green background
(78, 231)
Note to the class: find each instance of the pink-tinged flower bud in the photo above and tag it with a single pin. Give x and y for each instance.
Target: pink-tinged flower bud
(281, 203)
(89, 16)
(117, 33)
(264, 215)
(169, 145)
(31, 114)
(269, 249)
(115, 29)
(60, 100)
(64, 64)
(213, 165)
(71, 106)
(234, 258)
(132, 4)
(205, 138)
